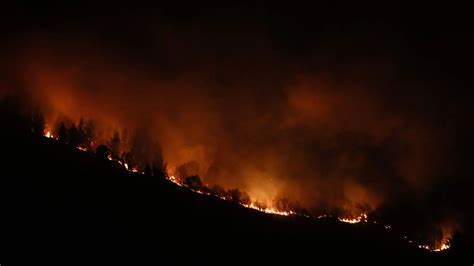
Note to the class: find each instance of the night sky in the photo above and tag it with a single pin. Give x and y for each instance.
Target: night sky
(343, 108)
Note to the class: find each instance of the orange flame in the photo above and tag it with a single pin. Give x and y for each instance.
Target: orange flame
(358, 219)
(268, 210)
(47, 133)
(444, 245)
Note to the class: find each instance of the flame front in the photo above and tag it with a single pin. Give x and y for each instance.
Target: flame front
(173, 179)
(269, 210)
(48, 134)
(358, 219)
(444, 246)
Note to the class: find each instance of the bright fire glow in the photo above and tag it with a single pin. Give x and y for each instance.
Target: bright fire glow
(173, 179)
(202, 192)
(268, 210)
(48, 134)
(444, 246)
(360, 218)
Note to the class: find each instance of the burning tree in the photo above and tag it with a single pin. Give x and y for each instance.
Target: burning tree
(115, 144)
(240, 197)
(219, 192)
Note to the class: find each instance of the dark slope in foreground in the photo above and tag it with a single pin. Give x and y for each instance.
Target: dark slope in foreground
(58, 201)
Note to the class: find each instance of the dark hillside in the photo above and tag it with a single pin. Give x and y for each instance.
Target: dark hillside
(59, 200)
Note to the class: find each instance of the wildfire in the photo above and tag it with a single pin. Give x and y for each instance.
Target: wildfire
(202, 192)
(444, 246)
(48, 134)
(324, 216)
(173, 179)
(360, 218)
(81, 148)
(268, 210)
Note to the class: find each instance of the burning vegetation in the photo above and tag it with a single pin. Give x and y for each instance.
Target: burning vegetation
(279, 207)
(134, 159)
(355, 121)
(360, 218)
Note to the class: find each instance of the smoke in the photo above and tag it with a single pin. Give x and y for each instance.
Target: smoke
(237, 107)
(325, 140)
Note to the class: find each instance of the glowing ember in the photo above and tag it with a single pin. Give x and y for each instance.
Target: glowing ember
(48, 134)
(268, 210)
(324, 216)
(202, 192)
(173, 179)
(360, 218)
(444, 246)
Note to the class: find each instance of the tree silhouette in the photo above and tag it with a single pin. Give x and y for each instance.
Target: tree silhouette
(115, 143)
(260, 205)
(219, 191)
(193, 182)
(159, 169)
(148, 170)
(239, 196)
(82, 133)
(158, 165)
(128, 158)
(62, 133)
(37, 122)
(283, 204)
(102, 152)
(73, 135)
(89, 132)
